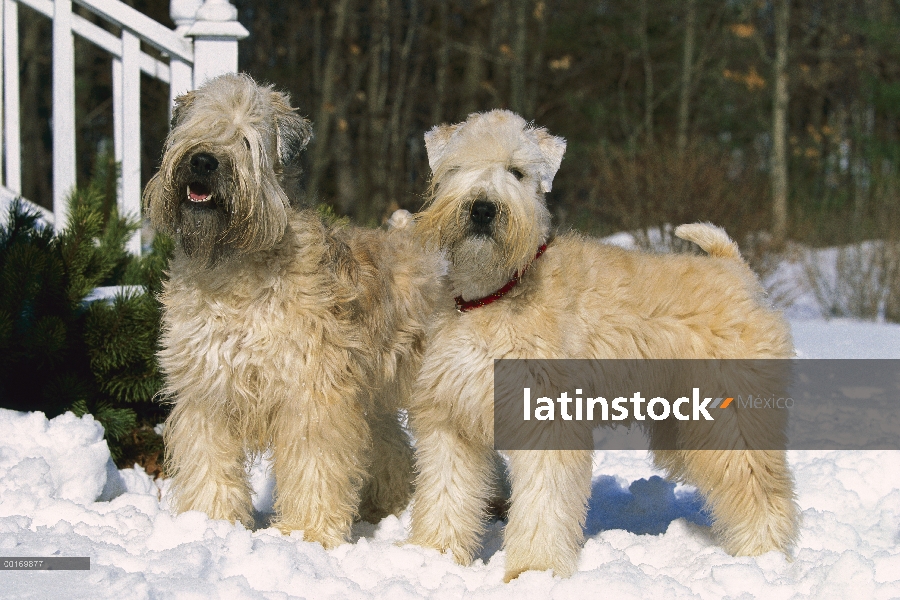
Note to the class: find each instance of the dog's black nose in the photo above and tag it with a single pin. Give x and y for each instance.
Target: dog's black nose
(203, 163)
(483, 212)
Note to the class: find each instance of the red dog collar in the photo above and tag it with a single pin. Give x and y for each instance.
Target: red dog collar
(467, 305)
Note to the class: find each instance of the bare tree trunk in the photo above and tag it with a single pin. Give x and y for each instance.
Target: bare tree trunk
(375, 142)
(346, 184)
(412, 152)
(295, 14)
(862, 120)
(648, 74)
(443, 65)
(537, 58)
(321, 154)
(403, 95)
(779, 165)
(473, 77)
(346, 173)
(318, 17)
(630, 130)
(687, 67)
(517, 73)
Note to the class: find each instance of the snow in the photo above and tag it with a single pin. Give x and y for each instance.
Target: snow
(646, 538)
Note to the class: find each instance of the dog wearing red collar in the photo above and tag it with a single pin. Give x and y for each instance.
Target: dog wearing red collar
(512, 290)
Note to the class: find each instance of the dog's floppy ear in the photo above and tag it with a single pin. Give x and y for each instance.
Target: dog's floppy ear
(293, 131)
(182, 105)
(436, 142)
(552, 149)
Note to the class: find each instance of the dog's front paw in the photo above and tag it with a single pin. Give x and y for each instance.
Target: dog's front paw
(512, 574)
(329, 540)
(560, 568)
(461, 554)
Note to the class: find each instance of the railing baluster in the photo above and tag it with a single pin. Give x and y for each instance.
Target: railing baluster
(2, 66)
(12, 146)
(63, 109)
(118, 132)
(130, 201)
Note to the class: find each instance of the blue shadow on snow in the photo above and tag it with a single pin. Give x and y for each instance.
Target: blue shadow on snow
(646, 507)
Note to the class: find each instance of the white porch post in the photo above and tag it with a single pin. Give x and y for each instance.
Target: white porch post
(216, 32)
(12, 142)
(130, 200)
(181, 78)
(63, 110)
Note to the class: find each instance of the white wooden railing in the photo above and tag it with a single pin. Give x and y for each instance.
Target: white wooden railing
(203, 45)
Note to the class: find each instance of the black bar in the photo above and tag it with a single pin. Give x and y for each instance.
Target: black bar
(45, 563)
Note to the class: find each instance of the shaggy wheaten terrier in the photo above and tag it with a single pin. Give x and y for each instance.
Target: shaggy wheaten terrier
(280, 331)
(514, 291)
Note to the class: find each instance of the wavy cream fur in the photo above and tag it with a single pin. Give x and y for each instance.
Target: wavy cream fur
(279, 331)
(581, 299)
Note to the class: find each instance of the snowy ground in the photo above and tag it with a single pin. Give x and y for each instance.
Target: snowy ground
(645, 537)
(60, 495)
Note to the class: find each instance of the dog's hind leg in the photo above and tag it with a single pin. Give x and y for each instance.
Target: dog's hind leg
(550, 491)
(750, 497)
(206, 463)
(738, 463)
(389, 483)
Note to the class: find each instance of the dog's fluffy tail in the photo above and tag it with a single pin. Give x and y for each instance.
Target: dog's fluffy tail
(712, 239)
(400, 219)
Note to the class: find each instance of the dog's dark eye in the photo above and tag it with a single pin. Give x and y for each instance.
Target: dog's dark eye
(516, 172)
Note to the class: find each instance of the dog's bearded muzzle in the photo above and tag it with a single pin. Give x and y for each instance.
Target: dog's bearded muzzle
(482, 217)
(198, 191)
(199, 201)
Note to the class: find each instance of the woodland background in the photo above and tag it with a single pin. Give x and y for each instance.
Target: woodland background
(672, 109)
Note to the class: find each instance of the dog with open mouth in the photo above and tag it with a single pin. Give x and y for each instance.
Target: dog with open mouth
(281, 331)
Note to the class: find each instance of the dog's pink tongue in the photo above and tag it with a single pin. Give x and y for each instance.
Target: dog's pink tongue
(198, 192)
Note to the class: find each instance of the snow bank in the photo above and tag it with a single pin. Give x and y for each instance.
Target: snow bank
(64, 458)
